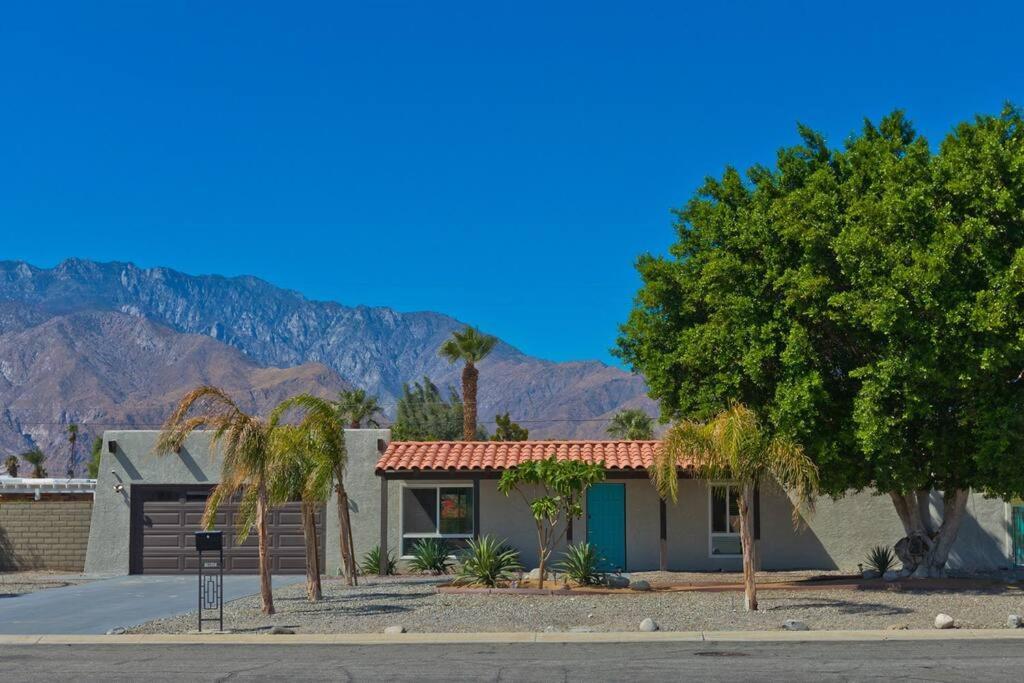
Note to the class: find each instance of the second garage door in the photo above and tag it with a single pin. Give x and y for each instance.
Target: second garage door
(165, 520)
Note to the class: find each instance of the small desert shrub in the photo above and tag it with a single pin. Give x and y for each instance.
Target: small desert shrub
(430, 555)
(487, 562)
(881, 559)
(579, 564)
(372, 562)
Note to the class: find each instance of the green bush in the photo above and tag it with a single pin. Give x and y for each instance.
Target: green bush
(430, 555)
(486, 562)
(372, 562)
(881, 559)
(579, 564)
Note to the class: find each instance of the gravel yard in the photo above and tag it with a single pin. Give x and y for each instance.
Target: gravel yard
(19, 583)
(414, 604)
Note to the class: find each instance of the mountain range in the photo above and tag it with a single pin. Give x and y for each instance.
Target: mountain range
(109, 345)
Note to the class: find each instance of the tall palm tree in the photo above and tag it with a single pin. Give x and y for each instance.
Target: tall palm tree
(11, 465)
(245, 444)
(632, 424)
(325, 436)
(72, 432)
(469, 346)
(357, 408)
(734, 446)
(35, 457)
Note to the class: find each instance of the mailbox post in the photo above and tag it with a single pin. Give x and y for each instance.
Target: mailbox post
(210, 545)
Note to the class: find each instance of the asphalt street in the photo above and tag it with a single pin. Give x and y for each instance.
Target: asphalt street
(950, 660)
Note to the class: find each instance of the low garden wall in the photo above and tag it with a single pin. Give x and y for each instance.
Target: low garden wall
(44, 534)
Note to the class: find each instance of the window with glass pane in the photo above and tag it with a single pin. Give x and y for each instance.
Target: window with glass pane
(725, 520)
(419, 511)
(456, 511)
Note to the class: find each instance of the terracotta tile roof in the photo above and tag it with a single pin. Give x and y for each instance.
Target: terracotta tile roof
(498, 455)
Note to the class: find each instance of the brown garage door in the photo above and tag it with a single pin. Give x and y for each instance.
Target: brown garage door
(165, 519)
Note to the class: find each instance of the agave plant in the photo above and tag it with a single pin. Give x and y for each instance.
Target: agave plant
(881, 559)
(430, 555)
(487, 562)
(579, 564)
(372, 562)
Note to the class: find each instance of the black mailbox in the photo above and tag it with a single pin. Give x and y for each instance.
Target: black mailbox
(209, 540)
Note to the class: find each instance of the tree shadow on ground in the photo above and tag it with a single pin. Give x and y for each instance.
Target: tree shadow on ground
(361, 611)
(842, 606)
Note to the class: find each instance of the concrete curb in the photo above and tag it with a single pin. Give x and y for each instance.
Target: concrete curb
(456, 638)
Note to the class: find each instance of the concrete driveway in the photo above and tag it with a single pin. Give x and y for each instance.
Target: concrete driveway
(101, 605)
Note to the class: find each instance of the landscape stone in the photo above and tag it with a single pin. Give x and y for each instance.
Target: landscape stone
(944, 621)
(648, 625)
(1015, 621)
(117, 631)
(640, 585)
(394, 629)
(616, 581)
(534, 574)
(891, 575)
(281, 631)
(795, 625)
(871, 574)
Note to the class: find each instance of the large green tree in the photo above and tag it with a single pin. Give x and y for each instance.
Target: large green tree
(424, 415)
(867, 302)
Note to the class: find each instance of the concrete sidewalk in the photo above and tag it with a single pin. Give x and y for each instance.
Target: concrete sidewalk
(498, 638)
(96, 607)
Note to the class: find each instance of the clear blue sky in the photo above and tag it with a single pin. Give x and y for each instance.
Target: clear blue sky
(501, 162)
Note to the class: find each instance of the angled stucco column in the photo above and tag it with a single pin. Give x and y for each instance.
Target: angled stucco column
(663, 535)
(476, 506)
(382, 565)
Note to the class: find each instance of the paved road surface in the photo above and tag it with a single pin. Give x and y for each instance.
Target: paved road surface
(976, 661)
(122, 601)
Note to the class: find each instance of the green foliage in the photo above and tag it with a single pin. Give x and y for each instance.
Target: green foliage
(423, 415)
(486, 561)
(372, 562)
(866, 302)
(632, 424)
(430, 555)
(469, 345)
(11, 465)
(560, 485)
(881, 558)
(35, 458)
(507, 430)
(93, 466)
(579, 564)
(356, 408)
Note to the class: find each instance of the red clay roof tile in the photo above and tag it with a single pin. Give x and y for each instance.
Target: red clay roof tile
(499, 455)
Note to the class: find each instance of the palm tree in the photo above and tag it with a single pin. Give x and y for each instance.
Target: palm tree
(632, 424)
(356, 407)
(72, 432)
(245, 443)
(325, 438)
(470, 346)
(35, 457)
(735, 447)
(11, 465)
(292, 478)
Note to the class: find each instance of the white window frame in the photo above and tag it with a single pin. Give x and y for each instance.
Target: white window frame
(437, 487)
(730, 486)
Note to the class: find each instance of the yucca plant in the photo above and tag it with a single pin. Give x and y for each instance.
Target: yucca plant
(372, 562)
(430, 555)
(487, 561)
(579, 564)
(881, 559)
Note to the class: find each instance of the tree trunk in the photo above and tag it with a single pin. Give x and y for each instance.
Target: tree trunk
(313, 589)
(345, 532)
(266, 592)
(924, 550)
(746, 505)
(469, 378)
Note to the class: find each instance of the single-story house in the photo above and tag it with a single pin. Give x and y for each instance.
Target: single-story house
(147, 507)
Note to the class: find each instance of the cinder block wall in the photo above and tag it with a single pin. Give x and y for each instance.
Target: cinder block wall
(44, 534)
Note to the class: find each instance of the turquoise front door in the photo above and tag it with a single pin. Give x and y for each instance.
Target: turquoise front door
(606, 524)
(1018, 535)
